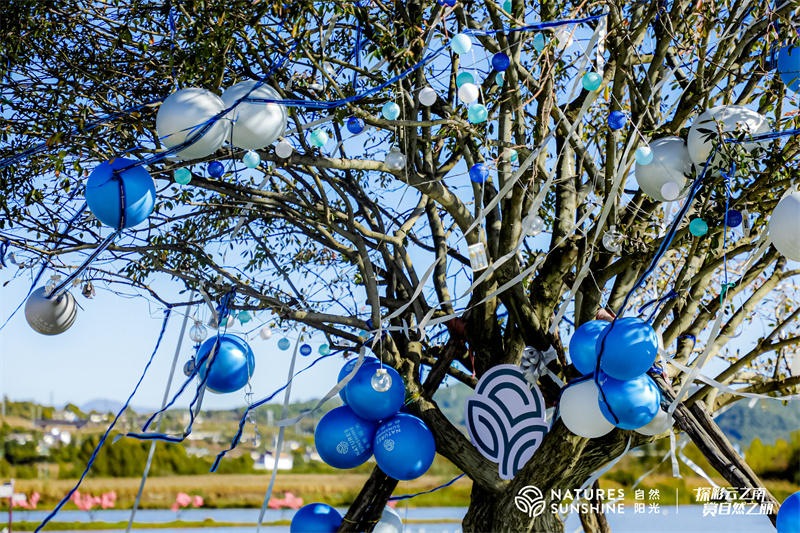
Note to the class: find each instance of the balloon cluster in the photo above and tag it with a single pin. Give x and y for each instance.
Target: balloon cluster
(621, 393)
(371, 422)
(322, 518)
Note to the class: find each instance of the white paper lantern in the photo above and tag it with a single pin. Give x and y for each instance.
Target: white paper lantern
(183, 114)
(580, 410)
(784, 224)
(255, 125)
(468, 93)
(284, 149)
(671, 164)
(53, 316)
(390, 522)
(661, 423)
(427, 96)
(733, 118)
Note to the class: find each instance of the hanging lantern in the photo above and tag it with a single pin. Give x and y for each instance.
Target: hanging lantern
(461, 44)
(355, 125)
(612, 240)
(468, 93)
(318, 138)
(464, 77)
(183, 176)
(500, 61)
(591, 81)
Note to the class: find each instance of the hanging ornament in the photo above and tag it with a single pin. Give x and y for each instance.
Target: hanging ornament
(643, 155)
(617, 120)
(183, 176)
(511, 154)
(478, 173)
(284, 149)
(284, 344)
(265, 333)
(499, 79)
(461, 44)
(464, 77)
(390, 111)
(181, 117)
(395, 160)
(538, 42)
(612, 240)
(324, 349)
(198, 332)
(537, 226)
(698, 227)
(305, 350)
(670, 191)
(507, 6)
(500, 61)
(251, 159)
(745, 223)
(477, 257)
(215, 169)
(591, 81)
(318, 138)
(355, 125)
(449, 3)
(468, 93)
(88, 291)
(244, 317)
(477, 113)
(427, 96)
(51, 284)
(188, 368)
(381, 381)
(733, 218)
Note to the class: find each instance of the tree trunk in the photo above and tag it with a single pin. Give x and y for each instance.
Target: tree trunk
(595, 522)
(368, 507)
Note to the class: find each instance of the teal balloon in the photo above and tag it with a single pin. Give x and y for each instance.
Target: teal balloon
(789, 67)
(390, 111)
(316, 518)
(251, 159)
(461, 44)
(507, 6)
(539, 42)
(583, 345)
(370, 404)
(464, 77)
(183, 176)
(789, 515)
(107, 186)
(634, 402)
(591, 81)
(231, 366)
(244, 317)
(284, 344)
(643, 155)
(343, 439)
(628, 347)
(512, 154)
(347, 368)
(404, 447)
(698, 227)
(477, 113)
(499, 79)
(318, 138)
(324, 349)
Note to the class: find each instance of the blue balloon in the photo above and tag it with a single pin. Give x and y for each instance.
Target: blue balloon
(478, 173)
(344, 439)
(368, 403)
(635, 402)
(789, 67)
(215, 169)
(105, 189)
(404, 447)
(583, 345)
(284, 344)
(232, 365)
(316, 518)
(449, 3)
(347, 368)
(733, 218)
(355, 125)
(629, 348)
(305, 350)
(617, 120)
(500, 61)
(789, 515)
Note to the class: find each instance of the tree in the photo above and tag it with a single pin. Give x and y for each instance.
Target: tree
(334, 241)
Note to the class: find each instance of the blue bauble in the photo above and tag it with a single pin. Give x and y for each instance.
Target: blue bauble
(368, 403)
(404, 447)
(231, 367)
(390, 111)
(284, 344)
(316, 518)
(449, 3)
(347, 368)
(789, 67)
(251, 159)
(789, 515)
(500, 61)
(344, 439)
(305, 350)
(355, 125)
(629, 348)
(477, 113)
(733, 218)
(635, 401)
(103, 194)
(478, 173)
(215, 169)
(617, 120)
(583, 345)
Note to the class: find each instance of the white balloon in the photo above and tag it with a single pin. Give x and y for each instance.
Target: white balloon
(671, 164)
(733, 118)
(580, 410)
(255, 125)
(183, 113)
(784, 224)
(265, 333)
(670, 191)
(468, 92)
(284, 149)
(390, 522)
(427, 96)
(661, 423)
(53, 316)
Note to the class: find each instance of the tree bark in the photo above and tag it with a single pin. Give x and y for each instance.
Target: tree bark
(595, 522)
(368, 507)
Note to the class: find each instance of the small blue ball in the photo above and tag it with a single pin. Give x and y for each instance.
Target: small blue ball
(305, 350)
(629, 348)
(733, 218)
(316, 518)
(347, 368)
(370, 404)
(343, 439)
(500, 61)
(284, 344)
(404, 447)
(478, 173)
(215, 169)
(355, 125)
(477, 113)
(499, 79)
(635, 402)
(461, 44)
(583, 345)
(251, 159)
(449, 3)
(789, 515)
(104, 198)
(390, 111)
(232, 365)
(617, 120)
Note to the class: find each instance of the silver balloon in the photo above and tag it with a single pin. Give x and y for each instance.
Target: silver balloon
(390, 522)
(50, 317)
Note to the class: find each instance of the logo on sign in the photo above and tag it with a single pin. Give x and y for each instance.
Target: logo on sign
(530, 501)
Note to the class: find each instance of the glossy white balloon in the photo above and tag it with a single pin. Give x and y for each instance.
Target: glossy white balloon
(255, 125)
(661, 423)
(580, 410)
(733, 118)
(427, 96)
(468, 93)
(183, 114)
(284, 149)
(784, 224)
(671, 163)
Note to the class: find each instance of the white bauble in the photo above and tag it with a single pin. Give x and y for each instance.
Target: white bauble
(255, 125)
(580, 410)
(390, 522)
(284, 149)
(671, 164)
(427, 96)
(468, 92)
(733, 118)
(53, 316)
(661, 423)
(183, 114)
(784, 226)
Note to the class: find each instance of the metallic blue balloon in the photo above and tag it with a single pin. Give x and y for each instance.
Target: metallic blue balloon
(316, 518)
(617, 120)
(629, 348)
(104, 198)
(347, 368)
(500, 61)
(355, 125)
(733, 218)
(343, 439)
(215, 169)
(368, 403)
(305, 350)
(404, 447)
(478, 173)
(583, 345)
(789, 515)
(635, 402)
(284, 344)
(232, 365)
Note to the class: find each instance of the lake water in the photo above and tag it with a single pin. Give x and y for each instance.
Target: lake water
(684, 519)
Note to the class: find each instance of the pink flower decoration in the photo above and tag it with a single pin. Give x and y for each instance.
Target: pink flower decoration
(197, 501)
(183, 499)
(174, 507)
(34, 499)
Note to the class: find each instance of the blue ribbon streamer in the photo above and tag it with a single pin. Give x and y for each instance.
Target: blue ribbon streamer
(409, 496)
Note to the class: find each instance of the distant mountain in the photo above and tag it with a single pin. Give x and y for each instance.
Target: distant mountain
(769, 420)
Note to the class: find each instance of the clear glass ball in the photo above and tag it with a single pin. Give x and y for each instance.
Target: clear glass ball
(284, 149)
(537, 226)
(395, 160)
(612, 240)
(381, 381)
(198, 332)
